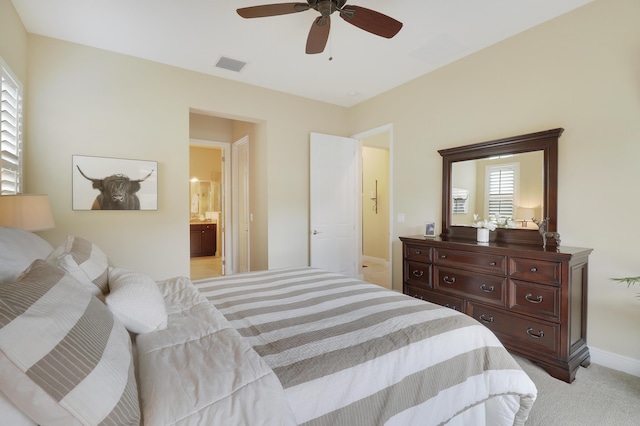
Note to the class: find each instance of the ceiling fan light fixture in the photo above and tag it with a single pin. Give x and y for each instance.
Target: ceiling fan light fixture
(326, 7)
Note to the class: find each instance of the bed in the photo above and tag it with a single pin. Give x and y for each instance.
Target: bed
(282, 347)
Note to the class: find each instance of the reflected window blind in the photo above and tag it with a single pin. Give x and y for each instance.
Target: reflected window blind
(10, 131)
(501, 185)
(460, 200)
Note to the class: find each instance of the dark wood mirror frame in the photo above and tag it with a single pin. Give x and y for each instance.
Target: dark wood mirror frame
(546, 141)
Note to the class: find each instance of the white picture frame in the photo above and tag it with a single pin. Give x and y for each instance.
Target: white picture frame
(89, 175)
(430, 229)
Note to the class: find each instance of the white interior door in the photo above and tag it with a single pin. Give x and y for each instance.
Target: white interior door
(240, 206)
(334, 203)
(225, 253)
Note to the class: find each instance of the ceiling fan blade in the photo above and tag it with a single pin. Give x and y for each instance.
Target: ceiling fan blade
(318, 35)
(272, 10)
(371, 21)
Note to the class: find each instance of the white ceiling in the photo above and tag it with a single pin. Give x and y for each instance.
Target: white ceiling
(194, 34)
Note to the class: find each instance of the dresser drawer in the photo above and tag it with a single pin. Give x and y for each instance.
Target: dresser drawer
(416, 273)
(417, 253)
(535, 270)
(534, 299)
(447, 301)
(517, 330)
(470, 285)
(491, 263)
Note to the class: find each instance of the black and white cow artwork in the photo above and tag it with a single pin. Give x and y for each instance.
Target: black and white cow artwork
(117, 192)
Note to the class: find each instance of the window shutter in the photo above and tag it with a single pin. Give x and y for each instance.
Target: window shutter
(460, 200)
(10, 131)
(501, 191)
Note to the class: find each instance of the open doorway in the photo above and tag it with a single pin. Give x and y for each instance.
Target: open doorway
(207, 208)
(376, 206)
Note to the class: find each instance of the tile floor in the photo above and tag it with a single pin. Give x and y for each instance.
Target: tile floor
(206, 267)
(376, 272)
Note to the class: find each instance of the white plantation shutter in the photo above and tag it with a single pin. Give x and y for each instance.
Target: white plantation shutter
(501, 185)
(10, 131)
(460, 200)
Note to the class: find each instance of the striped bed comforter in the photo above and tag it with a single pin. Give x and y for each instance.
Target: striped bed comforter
(352, 353)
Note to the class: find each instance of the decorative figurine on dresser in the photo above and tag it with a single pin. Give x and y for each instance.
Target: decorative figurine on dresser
(525, 287)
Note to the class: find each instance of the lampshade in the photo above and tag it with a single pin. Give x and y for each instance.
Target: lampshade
(526, 213)
(26, 211)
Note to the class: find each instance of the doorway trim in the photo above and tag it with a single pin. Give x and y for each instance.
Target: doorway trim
(360, 136)
(227, 253)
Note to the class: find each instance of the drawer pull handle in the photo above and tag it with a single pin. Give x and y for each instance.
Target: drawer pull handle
(493, 264)
(448, 280)
(535, 336)
(485, 319)
(529, 296)
(450, 306)
(417, 273)
(486, 289)
(443, 256)
(534, 269)
(418, 252)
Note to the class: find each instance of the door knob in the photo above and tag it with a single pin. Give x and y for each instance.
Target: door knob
(315, 232)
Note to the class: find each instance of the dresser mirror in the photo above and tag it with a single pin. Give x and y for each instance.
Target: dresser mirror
(528, 162)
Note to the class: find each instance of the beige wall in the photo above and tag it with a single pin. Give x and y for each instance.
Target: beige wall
(210, 128)
(581, 72)
(204, 163)
(13, 40)
(92, 102)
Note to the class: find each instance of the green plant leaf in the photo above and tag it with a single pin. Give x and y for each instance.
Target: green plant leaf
(628, 280)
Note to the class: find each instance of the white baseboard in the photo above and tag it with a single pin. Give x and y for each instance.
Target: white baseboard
(615, 361)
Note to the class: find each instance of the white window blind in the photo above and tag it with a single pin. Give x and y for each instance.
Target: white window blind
(501, 190)
(460, 200)
(10, 131)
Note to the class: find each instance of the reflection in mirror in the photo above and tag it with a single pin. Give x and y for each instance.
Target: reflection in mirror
(205, 199)
(510, 180)
(506, 189)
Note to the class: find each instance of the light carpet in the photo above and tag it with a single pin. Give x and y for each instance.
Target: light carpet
(598, 396)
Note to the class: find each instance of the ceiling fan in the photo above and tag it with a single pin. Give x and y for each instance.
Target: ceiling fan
(363, 18)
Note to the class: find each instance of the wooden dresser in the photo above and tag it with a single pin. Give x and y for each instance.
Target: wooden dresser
(533, 299)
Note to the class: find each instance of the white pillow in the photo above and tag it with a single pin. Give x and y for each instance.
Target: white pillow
(18, 248)
(85, 262)
(136, 301)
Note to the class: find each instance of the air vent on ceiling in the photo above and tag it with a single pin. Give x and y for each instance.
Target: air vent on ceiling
(230, 64)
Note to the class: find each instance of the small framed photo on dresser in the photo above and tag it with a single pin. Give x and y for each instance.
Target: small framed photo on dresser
(430, 229)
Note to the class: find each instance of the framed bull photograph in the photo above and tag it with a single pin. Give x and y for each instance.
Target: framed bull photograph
(101, 183)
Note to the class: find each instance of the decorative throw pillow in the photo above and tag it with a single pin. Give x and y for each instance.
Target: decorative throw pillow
(64, 358)
(136, 301)
(18, 248)
(85, 262)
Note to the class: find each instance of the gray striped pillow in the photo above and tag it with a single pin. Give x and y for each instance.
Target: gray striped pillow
(85, 262)
(63, 356)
